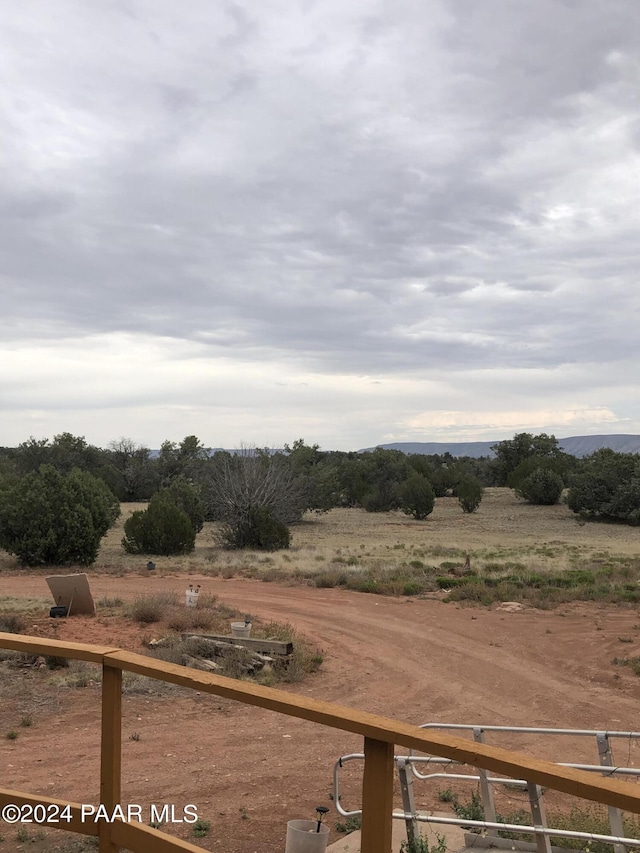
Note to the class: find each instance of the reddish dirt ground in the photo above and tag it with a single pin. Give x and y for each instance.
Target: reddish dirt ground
(249, 771)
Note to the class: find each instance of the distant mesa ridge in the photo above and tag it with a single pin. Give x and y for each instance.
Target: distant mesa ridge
(576, 445)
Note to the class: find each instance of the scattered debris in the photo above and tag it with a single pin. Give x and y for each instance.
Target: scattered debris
(162, 643)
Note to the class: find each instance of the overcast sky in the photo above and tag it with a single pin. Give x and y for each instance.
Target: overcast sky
(352, 221)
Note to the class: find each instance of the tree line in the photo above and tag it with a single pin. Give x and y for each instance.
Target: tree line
(59, 497)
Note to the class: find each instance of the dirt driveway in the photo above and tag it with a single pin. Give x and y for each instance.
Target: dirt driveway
(250, 771)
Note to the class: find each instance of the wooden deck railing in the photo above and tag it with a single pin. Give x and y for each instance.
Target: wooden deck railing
(380, 735)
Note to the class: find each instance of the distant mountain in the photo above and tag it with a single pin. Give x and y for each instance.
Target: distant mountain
(576, 445)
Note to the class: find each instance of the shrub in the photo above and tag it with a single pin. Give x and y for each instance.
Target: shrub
(607, 487)
(560, 465)
(417, 497)
(49, 518)
(469, 493)
(191, 619)
(201, 828)
(162, 528)
(54, 662)
(12, 623)
(258, 529)
(625, 503)
(523, 447)
(187, 498)
(153, 608)
(372, 502)
(542, 487)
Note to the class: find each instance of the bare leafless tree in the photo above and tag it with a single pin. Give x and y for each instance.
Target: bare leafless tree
(238, 484)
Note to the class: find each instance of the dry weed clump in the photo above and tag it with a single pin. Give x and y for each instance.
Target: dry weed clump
(167, 607)
(141, 685)
(632, 662)
(147, 609)
(205, 617)
(25, 606)
(77, 675)
(305, 659)
(12, 623)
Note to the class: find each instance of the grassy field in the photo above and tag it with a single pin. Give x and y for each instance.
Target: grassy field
(507, 550)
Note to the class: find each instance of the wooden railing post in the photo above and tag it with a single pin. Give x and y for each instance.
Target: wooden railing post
(110, 751)
(377, 796)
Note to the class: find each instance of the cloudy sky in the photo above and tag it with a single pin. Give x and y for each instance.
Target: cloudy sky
(353, 221)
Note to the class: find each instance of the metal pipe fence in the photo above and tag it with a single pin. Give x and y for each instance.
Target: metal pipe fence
(407, 770)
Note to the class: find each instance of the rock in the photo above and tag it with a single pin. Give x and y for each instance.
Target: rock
(511, 606)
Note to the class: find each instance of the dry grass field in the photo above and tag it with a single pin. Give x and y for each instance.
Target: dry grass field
(503, 527)
(509, 544)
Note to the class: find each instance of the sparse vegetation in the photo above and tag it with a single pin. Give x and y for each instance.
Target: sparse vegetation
(582, 818)
(108, 603)
(593, 819)
(147, 609)
(12, 623)
(633, 663)
(75, 676)
(201, 828)
(349, 824)
(305, 658)
(420, 844)
(55, 662)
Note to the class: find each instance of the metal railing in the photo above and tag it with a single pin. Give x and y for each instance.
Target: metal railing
(407, 768)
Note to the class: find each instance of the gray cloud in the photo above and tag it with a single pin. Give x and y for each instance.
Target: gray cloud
(439, 190)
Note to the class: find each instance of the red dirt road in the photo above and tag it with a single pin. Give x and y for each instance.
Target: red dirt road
(250, 771)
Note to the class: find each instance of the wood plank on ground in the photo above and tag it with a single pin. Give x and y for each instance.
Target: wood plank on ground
(266, 647)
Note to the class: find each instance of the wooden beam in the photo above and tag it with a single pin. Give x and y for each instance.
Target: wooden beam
(266, 647)
(59, 648)
(377, 796)
(54, 808)
(139, 837)
(110, 752)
